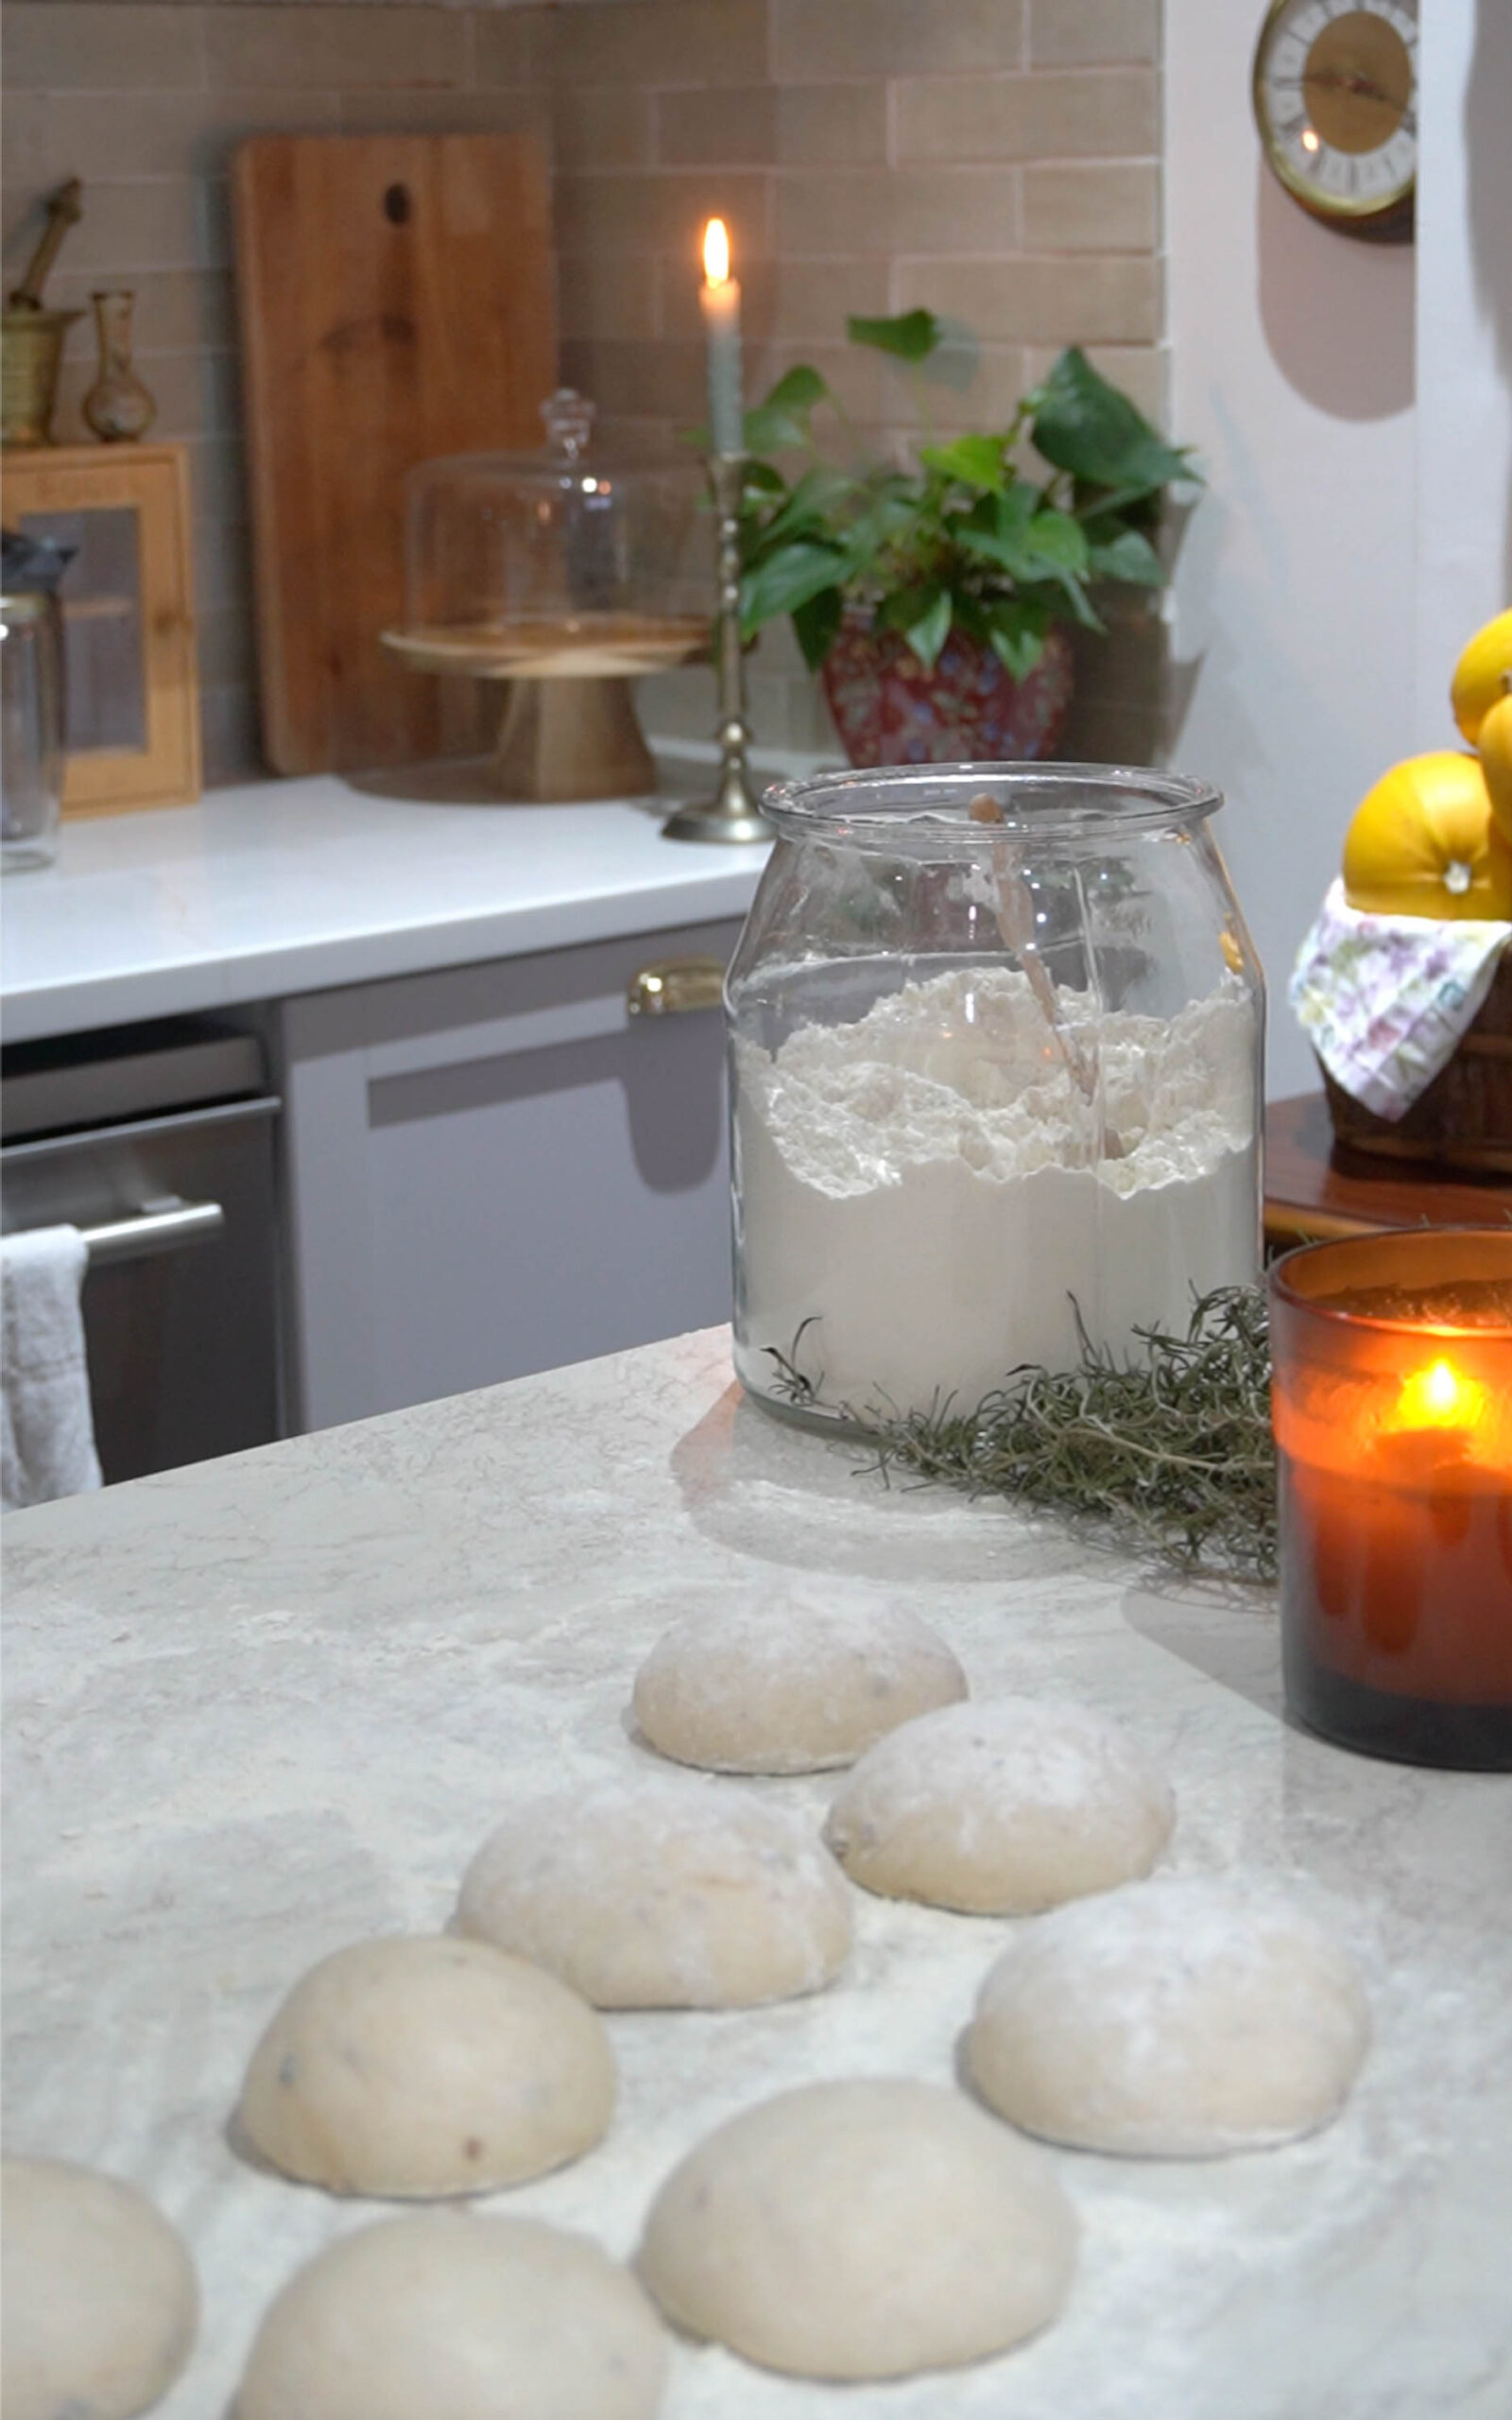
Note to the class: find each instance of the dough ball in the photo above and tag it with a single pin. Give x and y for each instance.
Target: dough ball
(475, 2318)
(664, 1894)
(101, 2303)
(861, 2230)
(1183, 2017)
(779, 1688)
(1001, 1807)
(419, 2067)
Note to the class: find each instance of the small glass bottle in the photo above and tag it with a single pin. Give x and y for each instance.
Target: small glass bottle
(31, 699)
(118, 407)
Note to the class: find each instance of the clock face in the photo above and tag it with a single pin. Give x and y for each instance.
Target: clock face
(1335, 92)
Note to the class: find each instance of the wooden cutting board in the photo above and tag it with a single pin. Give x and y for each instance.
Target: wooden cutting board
(396, 302)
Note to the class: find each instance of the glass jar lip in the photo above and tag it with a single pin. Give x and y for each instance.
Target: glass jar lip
(886, 803)
(1495, 1243)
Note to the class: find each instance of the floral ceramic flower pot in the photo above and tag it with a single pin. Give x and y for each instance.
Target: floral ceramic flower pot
(890, 709)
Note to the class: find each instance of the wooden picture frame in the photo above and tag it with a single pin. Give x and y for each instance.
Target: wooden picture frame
(128, 600)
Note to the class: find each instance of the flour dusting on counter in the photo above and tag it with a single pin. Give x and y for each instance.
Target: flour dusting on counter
(268, 1706)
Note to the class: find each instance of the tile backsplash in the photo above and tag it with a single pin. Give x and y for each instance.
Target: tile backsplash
(998, 160)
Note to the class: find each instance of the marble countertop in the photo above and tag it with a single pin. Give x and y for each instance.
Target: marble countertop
(282, 887)
(269, 1706)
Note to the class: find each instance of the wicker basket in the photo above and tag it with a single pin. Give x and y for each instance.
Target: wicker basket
(1464, 1119)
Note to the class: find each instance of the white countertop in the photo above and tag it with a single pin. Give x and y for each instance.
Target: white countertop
(285, 887)
(270, 1706)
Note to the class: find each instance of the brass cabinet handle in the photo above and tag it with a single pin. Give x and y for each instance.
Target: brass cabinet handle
(674, 985)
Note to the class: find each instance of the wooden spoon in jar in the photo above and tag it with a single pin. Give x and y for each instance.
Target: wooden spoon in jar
(1015, 921)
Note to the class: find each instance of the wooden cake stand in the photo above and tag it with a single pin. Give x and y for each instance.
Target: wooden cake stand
(569, 729)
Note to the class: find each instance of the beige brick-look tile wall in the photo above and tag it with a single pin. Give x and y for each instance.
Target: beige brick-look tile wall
(148, 102)
(995, 158)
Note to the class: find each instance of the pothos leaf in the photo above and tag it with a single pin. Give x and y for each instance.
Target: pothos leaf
(911, 336)
(1082, 610)
(782, 419)
(1054, 539)
(797, 390)
(1018, 648)
(766, 478)
(1128, 557)
(785, 581)
(818, 495)
(1047, 548)
(969, 612)
(975, 461)
(769, 429)
(1016, 508)
(815, 623)
(956, 358)
(1091, 430)
(923, 615)
(1017, 626)
(886, 515)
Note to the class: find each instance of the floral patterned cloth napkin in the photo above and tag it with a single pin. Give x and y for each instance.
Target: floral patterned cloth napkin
(1385, 999)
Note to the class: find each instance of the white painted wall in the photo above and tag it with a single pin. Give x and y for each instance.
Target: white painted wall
(1464, 342)
(1292, 362)
(1359, 521)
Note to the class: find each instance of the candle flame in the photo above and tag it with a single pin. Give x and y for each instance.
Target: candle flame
(716, 254)
(1441, 1387)
(1439, 1397)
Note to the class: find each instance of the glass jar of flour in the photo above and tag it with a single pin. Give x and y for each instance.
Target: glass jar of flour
(995, 1038)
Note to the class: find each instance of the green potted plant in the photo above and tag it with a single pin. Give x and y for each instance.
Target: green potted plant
(935, 601)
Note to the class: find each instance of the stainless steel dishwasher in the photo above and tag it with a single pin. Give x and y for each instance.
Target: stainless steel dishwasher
(158, 1142)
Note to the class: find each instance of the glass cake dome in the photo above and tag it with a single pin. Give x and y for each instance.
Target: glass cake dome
(566, 574)
(563, 563)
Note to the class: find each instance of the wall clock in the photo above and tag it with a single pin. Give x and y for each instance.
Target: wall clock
(1335, 96)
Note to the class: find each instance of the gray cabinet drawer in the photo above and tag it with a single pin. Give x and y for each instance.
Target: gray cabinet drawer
(499, 1170)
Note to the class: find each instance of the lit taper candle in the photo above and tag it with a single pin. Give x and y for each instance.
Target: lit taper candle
(720, 297)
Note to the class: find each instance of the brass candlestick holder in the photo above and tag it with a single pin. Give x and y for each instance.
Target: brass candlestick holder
(732, 813)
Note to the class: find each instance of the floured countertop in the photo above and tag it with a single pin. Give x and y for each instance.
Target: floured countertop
(269, 1706)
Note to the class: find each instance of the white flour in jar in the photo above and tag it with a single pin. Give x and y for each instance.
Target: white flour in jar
(928, 1188)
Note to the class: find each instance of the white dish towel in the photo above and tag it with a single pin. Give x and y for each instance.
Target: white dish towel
(1387, 999)
(47, 1425)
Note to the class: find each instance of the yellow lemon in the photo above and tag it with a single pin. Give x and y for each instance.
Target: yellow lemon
(1482, 674)
(1496, 761)
(1423, 844)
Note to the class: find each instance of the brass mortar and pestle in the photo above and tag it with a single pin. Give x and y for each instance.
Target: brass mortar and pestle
(32, 337)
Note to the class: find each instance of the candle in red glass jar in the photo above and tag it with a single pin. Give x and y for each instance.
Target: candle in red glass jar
(1392, 1403)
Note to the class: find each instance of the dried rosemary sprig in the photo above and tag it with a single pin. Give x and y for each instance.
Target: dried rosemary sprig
(788, 1380)
(1173, 1449)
